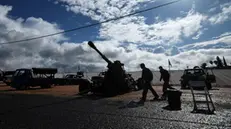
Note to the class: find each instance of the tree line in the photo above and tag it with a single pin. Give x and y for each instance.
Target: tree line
(217, 62)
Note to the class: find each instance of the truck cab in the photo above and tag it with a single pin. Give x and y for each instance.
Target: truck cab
(20, 78)
(25, 78)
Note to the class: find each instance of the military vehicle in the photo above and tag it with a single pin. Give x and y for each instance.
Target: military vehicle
(113, 82)
(70, 76)
(80, 74)
(7, 76)
(97, 81)
(130, 81)
(43, 77)
(25, 78)
(70, 79)
(1, 75)
(197, 74)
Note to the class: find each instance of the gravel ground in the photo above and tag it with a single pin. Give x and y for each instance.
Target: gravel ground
(60, 108)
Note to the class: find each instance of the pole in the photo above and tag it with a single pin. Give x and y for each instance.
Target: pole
(169, 68)
(170, 80)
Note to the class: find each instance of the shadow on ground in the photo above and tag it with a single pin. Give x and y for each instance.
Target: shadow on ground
(131, 104)
(135, 104)
(14, 103)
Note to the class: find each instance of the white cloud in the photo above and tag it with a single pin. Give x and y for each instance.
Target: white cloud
(198, 35)
(57, 52)
(48, 52)
(122, 31)
(223, 16)
(41, 52)
(222, 41)
(197, 57)
(159, 49)
(134, 29)
(4, 10)
(212, 9)
(102, 9)
(179, 61)
(174, 50)
(222, 35)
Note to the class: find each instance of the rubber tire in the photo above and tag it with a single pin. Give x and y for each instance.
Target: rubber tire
(22, 87)
(45, 86)
(184, 86)
(84, 88)
(7, 83)
(209, 86)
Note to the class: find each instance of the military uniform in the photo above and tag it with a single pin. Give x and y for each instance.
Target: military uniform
(147, 77)
(165, 76)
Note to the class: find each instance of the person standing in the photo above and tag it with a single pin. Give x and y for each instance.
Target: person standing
(147, 78)
(165, 76)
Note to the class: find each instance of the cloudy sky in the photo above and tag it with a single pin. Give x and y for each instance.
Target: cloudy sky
(187, 33)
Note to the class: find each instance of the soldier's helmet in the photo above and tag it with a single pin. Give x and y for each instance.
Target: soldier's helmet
(118, 62)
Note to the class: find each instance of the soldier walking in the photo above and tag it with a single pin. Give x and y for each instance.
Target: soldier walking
(147, 77)
(165, 76)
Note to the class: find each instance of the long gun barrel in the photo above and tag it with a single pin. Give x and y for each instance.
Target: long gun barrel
(91, 44)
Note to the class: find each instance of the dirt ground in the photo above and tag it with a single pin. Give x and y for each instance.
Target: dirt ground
(62, 91)
(65, 91)
(60, 107)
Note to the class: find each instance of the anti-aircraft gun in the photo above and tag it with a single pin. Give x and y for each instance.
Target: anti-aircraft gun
(114, 81)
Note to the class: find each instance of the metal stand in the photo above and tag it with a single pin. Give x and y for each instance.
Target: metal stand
(208, 100)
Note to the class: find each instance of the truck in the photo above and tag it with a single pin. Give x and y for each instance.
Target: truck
(197, 74)
(79, 74)
(7, 76)
(70, 78)
(43, 77)
(1, 75)
(25, 78)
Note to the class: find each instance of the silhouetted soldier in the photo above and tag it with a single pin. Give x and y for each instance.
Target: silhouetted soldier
(147, 77)
(165, 76)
